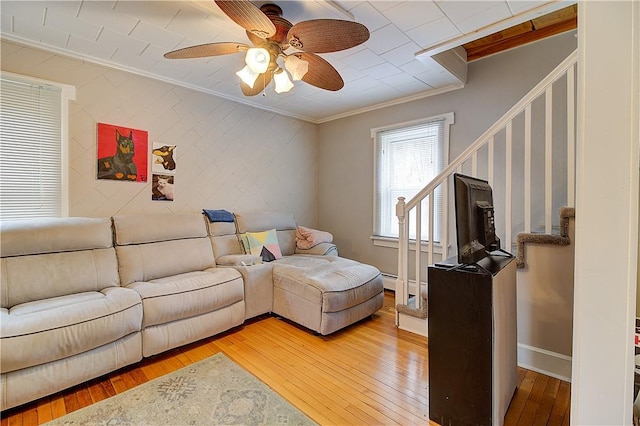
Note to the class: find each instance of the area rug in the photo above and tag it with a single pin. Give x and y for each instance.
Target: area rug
(214, 391)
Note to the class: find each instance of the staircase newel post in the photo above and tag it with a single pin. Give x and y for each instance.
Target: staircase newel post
(401, 282)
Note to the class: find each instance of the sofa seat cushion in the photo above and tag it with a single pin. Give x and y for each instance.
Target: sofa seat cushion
(188, 295)
(42, 331)
(335, 285)
(308, 261)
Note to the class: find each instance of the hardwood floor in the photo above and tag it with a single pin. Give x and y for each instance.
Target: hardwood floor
(369, 373)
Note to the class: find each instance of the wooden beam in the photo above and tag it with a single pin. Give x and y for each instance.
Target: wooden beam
(481, 51)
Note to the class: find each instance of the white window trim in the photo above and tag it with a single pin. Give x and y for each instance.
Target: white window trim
(392, 242)
(68, 93)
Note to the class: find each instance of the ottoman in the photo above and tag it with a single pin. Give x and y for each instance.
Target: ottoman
(325, 293)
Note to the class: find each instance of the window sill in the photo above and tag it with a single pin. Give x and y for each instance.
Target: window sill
(390, 242)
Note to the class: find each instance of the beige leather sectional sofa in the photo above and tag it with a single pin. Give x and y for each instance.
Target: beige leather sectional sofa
(81, 297)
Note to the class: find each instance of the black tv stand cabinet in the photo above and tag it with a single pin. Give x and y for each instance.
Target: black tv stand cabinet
(472, 341)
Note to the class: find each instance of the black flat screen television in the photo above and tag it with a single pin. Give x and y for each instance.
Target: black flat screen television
(475, 224)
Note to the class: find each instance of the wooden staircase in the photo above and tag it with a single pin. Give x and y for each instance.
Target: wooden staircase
(518, 155)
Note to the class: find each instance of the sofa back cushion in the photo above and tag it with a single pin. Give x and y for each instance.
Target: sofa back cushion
(153, 246)
(283, 223)
(223, 238)
(51, 257)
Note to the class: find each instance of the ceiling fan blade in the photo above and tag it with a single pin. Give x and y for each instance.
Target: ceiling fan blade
(261, 82)
(257, 41)
(204, 50)
(326, 35)
(321, 73)
(248, 16)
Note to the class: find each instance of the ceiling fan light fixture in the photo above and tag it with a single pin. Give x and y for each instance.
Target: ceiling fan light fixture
(257, 59)
(296, 66)
(281, 78)
(247, 75)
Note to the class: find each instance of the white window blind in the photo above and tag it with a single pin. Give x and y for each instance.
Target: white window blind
(408, 157)
(30, 150)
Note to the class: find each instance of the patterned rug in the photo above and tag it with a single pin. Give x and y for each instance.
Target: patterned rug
(214, 391)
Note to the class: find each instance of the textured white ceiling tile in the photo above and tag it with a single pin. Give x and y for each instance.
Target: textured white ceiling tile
(363, 59)
(349, 74)
(22, 18)
(433, 32)
(386, 39)
(90, 48)
(413, 68)
(384, 5)
(398, 79)
(460, 10)
(122, 42)
(156, 35)
(170, 69)
(402, 54)
(6, 22)
(103, 12)
(23, 27)
(356, 86)
(349, 5)
(159, 13)
(484, 18)
(64, 20)
(134, 59)
(381, 93)
(414, 88)
(35, 9)
(519, 6)
(193, 23)
(383, 70)
(331, 57)
(54, 37)
(369, 16)
(411, 14)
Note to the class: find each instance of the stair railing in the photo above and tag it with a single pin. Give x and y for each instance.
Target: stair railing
(468, 160)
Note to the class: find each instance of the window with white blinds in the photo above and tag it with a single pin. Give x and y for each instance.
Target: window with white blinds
(407, 157)
(31, 148)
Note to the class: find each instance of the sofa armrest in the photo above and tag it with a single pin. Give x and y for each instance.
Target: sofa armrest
(322, 249)
(238, 260)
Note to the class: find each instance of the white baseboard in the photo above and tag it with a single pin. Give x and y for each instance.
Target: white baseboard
(545, 362)
(412, 324)
(389, 283)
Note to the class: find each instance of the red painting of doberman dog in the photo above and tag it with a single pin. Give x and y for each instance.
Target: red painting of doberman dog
(122, 153)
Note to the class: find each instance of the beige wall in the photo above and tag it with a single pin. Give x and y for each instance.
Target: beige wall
(229, 155)
(346, 148)
(545, 308)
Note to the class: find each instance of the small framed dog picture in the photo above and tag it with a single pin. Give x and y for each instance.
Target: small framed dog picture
(164, 159)
(122, 153)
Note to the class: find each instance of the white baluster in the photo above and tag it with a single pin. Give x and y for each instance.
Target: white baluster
(527, 168)
(548, 155)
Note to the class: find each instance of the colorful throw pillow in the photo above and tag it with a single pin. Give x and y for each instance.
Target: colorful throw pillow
(264, 244)
(244, 243)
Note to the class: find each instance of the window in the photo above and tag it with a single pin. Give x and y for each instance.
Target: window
(33, 123)
(408, 156)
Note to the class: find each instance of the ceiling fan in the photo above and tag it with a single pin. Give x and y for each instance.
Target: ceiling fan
(271, 36)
